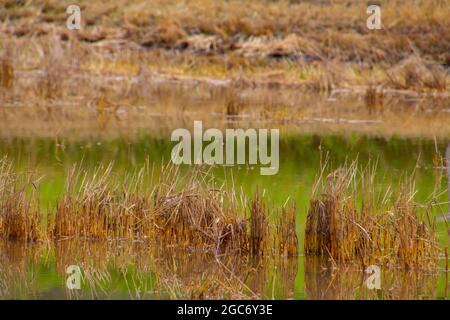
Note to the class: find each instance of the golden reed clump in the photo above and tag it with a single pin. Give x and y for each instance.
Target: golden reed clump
(197, 215)
(370, 227)
(286, 231)
(19, 210)
(6, 73)
(348, 219)
(177, 211)
(99, 209)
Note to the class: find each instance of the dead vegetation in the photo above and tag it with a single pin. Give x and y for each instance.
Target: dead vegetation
(325, 281)
(55, 87)
(190, 213)
(198, 216)
(6, 73)
(417, 74)
(319, 46)
(20, 216)
(350, 220)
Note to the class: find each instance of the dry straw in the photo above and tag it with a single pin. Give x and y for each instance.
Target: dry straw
(350, 220)
(179, 211)
(19, 210)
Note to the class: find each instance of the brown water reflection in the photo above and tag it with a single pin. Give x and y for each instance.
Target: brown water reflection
(325, 281)
(138, 270)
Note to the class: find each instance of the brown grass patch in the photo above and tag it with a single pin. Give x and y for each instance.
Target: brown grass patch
(381, 229)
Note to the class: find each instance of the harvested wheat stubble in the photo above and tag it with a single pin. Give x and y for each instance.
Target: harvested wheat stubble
(383, 229)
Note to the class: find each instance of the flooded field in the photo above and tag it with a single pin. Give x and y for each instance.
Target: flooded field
(93, 205)
(123, 124)
(140, 268)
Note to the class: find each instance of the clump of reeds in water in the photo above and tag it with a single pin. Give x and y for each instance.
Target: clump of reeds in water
(349, 220)
(183, 211)
(20, 217)
(374, 98)
(187, 211)
(286, 231)
(197, 215)
(204, 216)
(259, 227)
(97, 206)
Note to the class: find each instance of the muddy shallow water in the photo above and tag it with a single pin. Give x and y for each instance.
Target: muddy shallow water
(126, 269)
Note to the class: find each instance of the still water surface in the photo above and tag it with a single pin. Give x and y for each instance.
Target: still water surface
(136, 270)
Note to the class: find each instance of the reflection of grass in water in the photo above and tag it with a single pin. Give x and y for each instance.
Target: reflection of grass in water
(19, 265)
(137, 270)
(190, 212)
(323, 280)
(118, 269)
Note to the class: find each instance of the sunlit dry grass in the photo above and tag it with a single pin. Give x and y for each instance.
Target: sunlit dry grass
(314, 45)
(350, 220)
(19, 206)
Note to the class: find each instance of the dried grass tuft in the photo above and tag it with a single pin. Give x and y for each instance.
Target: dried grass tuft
(370, 227)
(20, 217)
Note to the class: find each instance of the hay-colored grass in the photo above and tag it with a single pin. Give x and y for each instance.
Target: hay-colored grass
(350, 220)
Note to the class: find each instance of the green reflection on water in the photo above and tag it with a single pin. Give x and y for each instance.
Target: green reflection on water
(300, 158)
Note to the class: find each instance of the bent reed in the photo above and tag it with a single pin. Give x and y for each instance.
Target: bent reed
(348, 219)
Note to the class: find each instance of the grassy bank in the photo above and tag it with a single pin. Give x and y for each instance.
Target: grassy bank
(318, 45)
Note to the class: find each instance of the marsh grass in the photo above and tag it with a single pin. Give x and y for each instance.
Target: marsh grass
(418, 74)
(259, 231)
(286, 231)
(20, 216)
(198, 215)
(374, 99)
(6, 73)
(315, 45)
(351, 220)
(178, 211)
(96, 206)
(325, 281)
